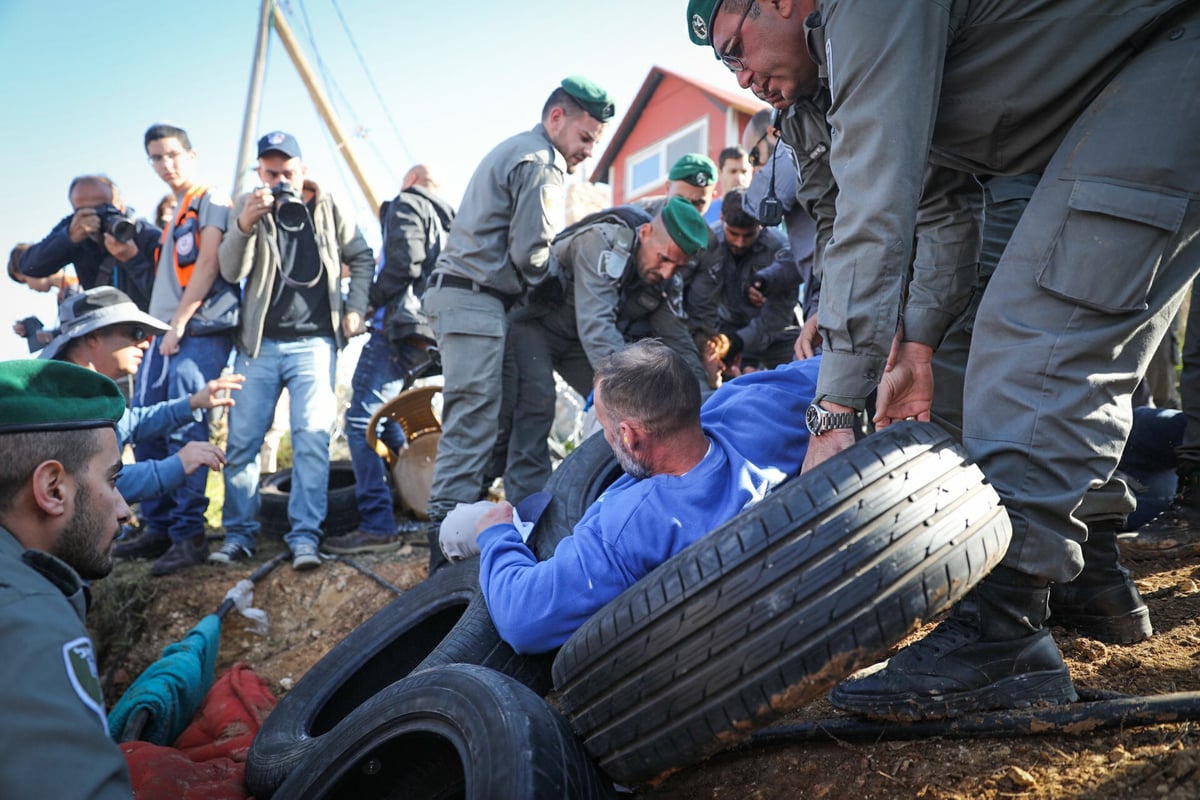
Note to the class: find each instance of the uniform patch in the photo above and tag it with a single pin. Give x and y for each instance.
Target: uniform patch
(80, 663)
(612, 264)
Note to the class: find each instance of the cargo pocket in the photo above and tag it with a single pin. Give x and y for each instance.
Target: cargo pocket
(1107, 252)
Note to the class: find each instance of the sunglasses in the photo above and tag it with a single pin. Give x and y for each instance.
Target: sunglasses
(753, 156)
(132, 332)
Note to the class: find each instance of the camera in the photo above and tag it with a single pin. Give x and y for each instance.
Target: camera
(114, 221)
(290, 211)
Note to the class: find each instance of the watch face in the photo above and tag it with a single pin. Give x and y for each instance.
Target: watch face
(812, 419)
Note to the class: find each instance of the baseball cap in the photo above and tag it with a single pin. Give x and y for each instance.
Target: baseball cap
(97, 308)
(279, 142)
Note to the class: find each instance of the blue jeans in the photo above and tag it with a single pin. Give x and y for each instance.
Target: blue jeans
(200, 359)
(378, 378)
(305, 367)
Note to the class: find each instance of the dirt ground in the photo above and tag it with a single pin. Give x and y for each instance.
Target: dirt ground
(136, 617)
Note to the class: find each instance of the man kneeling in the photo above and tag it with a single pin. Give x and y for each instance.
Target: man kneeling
(687, 471)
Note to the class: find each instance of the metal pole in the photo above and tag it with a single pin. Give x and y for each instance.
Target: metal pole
(323, 107)
(253, 99)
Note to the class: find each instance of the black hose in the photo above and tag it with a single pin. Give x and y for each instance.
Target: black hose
(391, 587)
(1074, 719)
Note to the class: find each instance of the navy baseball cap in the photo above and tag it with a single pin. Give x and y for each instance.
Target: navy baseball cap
(279, 142)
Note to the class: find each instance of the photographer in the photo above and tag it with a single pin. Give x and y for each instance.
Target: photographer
(290, 255)
(102, 239)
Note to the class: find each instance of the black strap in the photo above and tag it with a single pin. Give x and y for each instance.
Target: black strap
(441, 279)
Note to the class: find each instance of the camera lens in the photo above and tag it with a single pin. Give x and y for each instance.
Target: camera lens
(291, 215)
(123, 230)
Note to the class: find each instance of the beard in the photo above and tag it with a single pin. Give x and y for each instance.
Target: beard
(79, 544)
(633, 468)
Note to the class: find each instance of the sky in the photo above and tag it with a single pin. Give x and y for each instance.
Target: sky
(431, 83)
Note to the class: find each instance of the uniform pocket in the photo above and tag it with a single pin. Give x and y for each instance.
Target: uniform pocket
(1108, 248)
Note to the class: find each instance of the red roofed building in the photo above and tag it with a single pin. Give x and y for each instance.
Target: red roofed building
(671, 115)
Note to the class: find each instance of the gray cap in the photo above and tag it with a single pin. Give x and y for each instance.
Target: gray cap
(94, 309)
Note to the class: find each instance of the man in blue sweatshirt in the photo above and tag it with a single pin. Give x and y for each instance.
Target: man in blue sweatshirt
(687, 471)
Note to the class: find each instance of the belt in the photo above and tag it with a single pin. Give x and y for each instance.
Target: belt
(442, 280)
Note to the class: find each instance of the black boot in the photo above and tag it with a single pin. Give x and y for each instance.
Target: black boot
(1175, 532)
(991, 652)
(182, 554)
(1102, 602)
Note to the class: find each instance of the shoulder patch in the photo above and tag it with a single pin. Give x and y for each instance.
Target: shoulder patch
(80, 664)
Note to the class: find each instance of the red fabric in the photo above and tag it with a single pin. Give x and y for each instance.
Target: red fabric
(208, 759)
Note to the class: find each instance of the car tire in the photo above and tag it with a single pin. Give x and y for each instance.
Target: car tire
(458, 731)
(385, 648)
(341, 513)
(582, 477)
(773, 608)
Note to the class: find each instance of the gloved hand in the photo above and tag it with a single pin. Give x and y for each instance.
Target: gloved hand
(457, 536)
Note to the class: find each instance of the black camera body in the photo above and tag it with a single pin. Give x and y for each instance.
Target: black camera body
(116, 222)
(290, 211)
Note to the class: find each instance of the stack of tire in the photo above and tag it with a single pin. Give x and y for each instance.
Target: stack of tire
(762, 615)
(341, 512)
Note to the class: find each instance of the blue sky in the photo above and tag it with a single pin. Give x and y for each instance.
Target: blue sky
(82, 81)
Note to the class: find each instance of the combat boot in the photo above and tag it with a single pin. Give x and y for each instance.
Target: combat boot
(1102, 602)
(992, 652)
(1176, 531)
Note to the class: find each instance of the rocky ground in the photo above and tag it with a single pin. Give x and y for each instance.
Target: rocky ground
(136, 616)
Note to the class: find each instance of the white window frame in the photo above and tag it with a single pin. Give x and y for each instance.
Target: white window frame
(659, 149)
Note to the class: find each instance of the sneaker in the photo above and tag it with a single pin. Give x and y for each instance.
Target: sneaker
(360, 542)
(305, 556)
(181, 555)
(151, 544)
(1175, 533)
(231, 553)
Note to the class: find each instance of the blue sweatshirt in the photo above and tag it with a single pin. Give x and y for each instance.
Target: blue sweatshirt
(144, 480)
(757, 439)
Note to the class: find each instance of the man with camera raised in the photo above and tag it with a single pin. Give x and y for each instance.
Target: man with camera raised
(101, 238)
(293, 322)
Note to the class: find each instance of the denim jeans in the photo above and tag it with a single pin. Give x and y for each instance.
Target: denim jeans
(378, 377)
(305, 367)
(200, 359)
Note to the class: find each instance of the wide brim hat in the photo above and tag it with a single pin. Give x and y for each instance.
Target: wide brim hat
(94, 309)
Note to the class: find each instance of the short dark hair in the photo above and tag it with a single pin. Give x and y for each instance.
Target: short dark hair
(14, 261)
(23, 452)
(165, 130)
(559, 98)
(733, 210)
(734, 152)
(650, 383)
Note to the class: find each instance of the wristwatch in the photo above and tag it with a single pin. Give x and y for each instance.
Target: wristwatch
(820, 421)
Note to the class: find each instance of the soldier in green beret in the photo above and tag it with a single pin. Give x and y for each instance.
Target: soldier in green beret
(693, 177)
(60, 513)
(614, 267)
(499, 249)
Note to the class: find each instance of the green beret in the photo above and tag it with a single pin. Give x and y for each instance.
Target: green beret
(41, 395)
(695, 168)
(593, 99)
(685, 225)
(700, 15)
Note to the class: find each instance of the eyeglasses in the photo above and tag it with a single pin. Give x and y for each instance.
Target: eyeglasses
(162, 158)
(735, 63)
(753, 157)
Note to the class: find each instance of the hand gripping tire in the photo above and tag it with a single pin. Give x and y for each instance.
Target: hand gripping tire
(385, 648)
(582, 477)
(457, 731)
(341, 513)
(776, 606)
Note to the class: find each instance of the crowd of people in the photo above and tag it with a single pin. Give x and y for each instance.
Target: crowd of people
(966, 236)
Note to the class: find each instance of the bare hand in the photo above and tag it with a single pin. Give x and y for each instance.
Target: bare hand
(906, 391)
(809, 339)
(501, 514)
(19, 329)
(84, 225)
(121, 251)
(756, 297)
(258, 204)
(353, 324)
(826, 445)
(210, 395)
(195, 455)
(168, 343)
